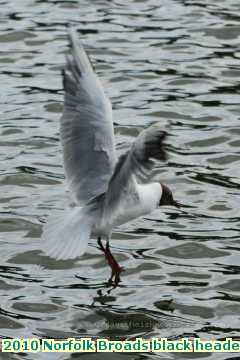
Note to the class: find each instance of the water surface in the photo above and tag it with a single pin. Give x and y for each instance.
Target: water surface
(169, 61)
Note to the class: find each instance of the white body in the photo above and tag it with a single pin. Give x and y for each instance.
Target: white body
(149, 196)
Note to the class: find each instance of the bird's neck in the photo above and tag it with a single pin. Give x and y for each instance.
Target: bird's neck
(150, 195)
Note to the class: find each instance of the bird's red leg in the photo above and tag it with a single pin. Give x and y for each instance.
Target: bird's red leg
(116, 268)
(99, 241)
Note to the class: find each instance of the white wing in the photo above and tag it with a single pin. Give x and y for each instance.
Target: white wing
(134, 166)
(86, 127)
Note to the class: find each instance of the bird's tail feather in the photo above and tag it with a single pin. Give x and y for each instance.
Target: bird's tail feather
(66, 234)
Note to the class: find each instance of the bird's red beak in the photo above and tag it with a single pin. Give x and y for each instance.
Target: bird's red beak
(177, 204)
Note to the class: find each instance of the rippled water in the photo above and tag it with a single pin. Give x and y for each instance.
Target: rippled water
(165, 60)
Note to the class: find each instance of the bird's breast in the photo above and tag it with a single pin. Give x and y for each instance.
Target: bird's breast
(129, 209)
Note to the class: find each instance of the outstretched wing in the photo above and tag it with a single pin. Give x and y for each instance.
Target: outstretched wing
(134, 166)
(86, 127)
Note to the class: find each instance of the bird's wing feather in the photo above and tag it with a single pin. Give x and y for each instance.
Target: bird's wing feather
(134, 166)
(86, 127)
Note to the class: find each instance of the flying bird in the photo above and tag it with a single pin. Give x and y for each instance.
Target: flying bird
(106, 191)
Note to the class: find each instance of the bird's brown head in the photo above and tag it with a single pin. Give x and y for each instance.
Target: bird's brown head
(167, 198)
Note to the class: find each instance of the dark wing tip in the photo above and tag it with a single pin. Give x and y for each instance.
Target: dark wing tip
(154, 147)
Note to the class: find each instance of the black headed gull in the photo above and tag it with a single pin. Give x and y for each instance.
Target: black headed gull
(106, 192)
